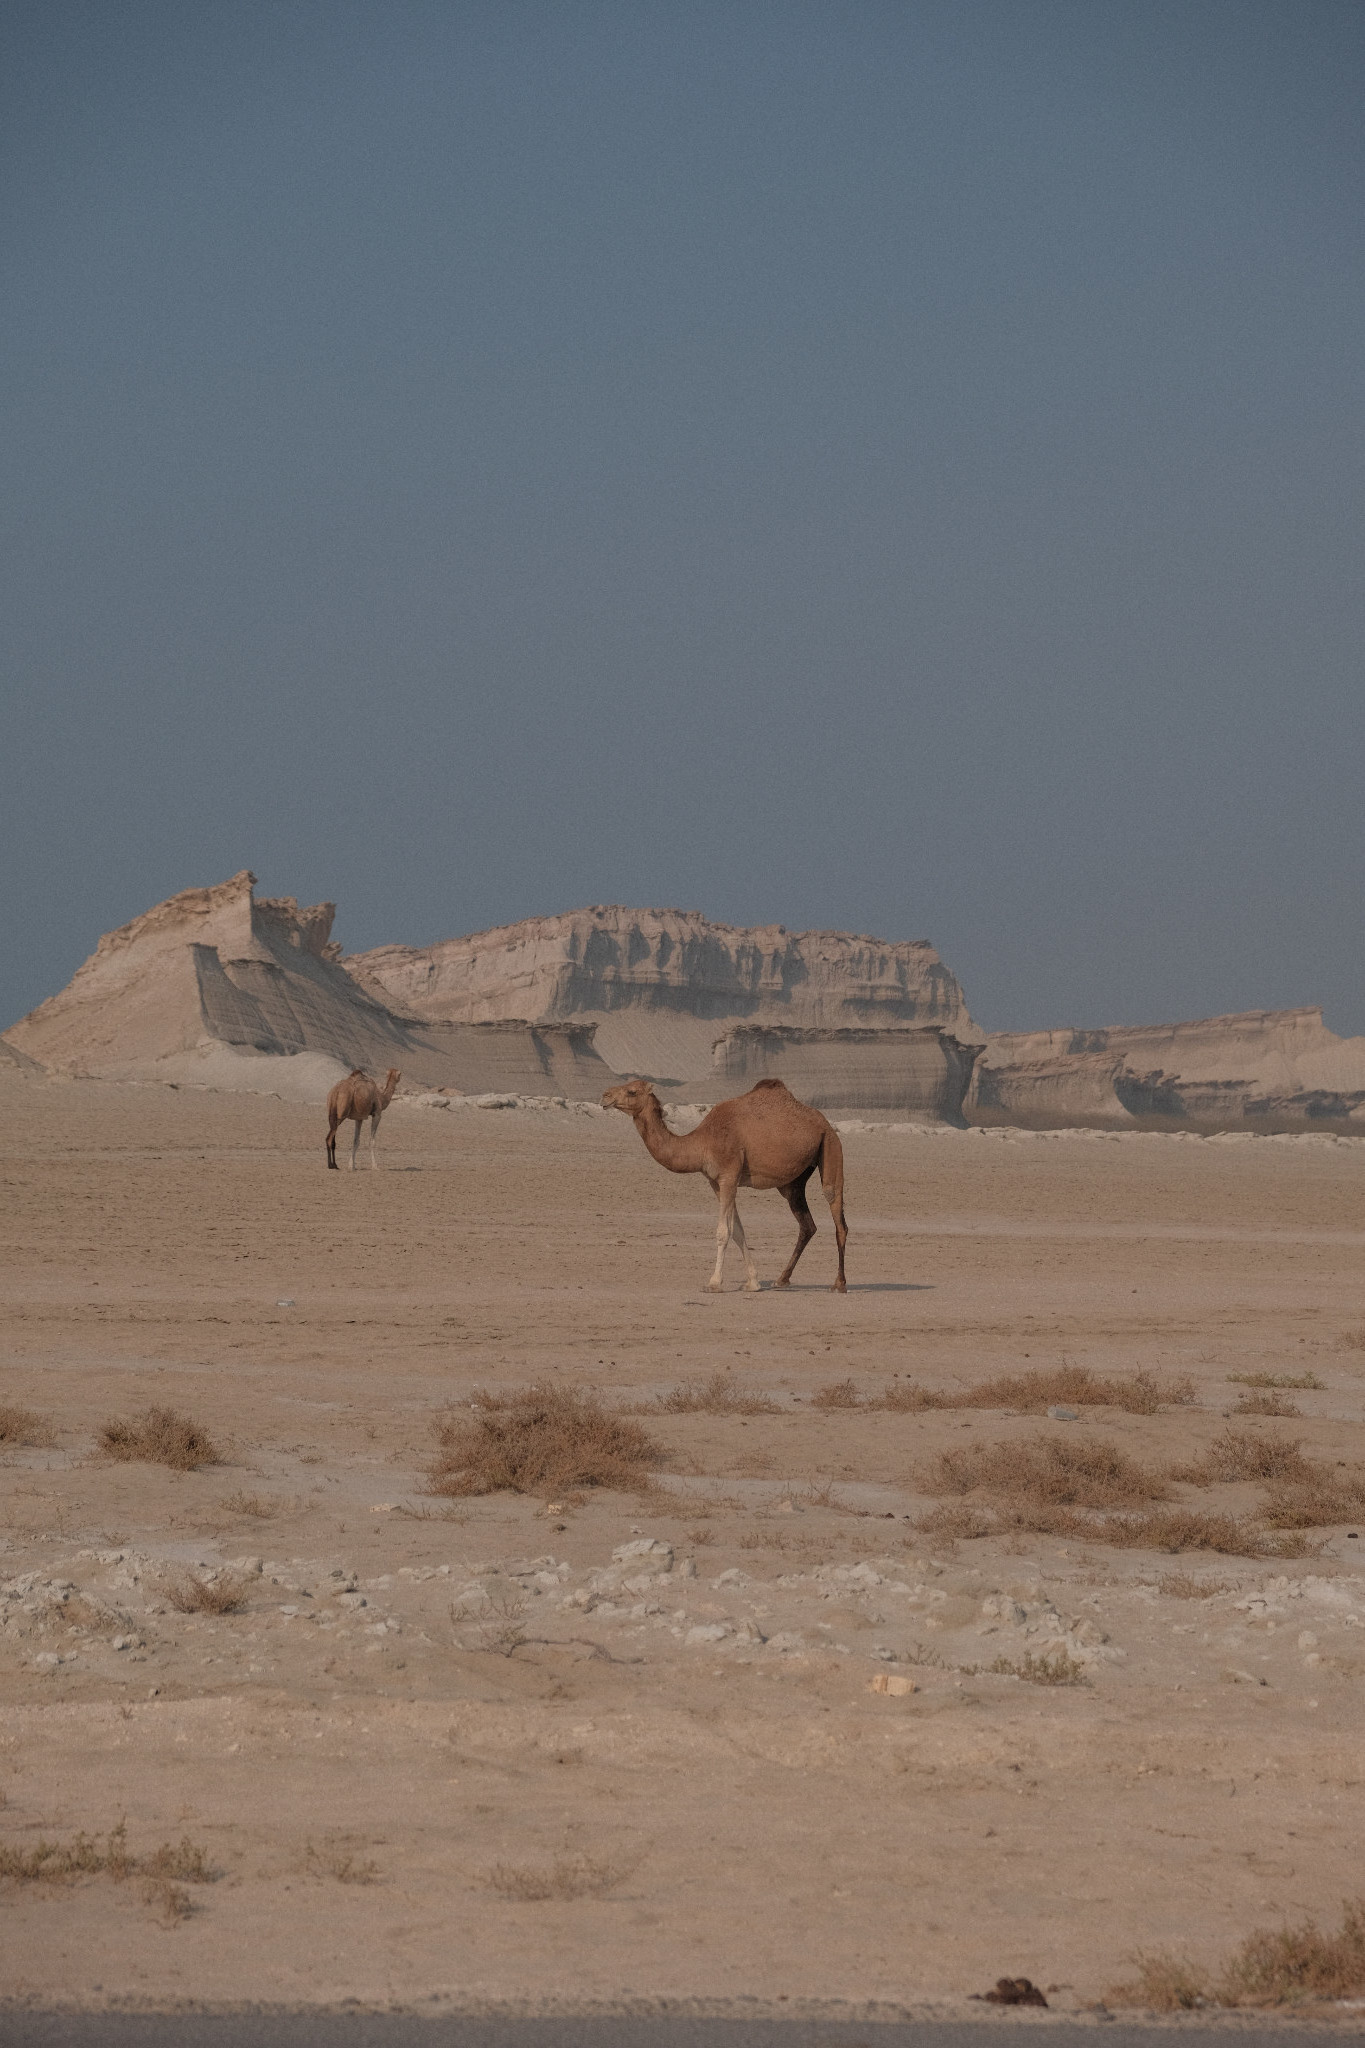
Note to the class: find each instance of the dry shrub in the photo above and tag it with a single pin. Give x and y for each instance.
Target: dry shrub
(87, 1856)
(956, 1521)
(1266, 1404)
(1048, 1471)
(1032, 1392)
(1164, 1983)
(342, 1864)
(160, 1437)
(701, 1537)
(1353, 1340)
(838, 1394)
(1246, 1454)
(1281, 1966)
(1316, 1503)
(1181, 1586)
(541, 1439)
(499, 1630)
(1170, 1529)
(1058, 1669)
(720, 1395)
(1302, 1381)
(191, 1595)
(568, 1877)
(20, 1426)
(256, 1505)
(1276, 1968)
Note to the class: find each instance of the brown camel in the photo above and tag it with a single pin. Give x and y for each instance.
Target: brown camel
(765, 1139)
(354, 1099)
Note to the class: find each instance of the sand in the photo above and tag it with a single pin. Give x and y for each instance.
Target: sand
(698, 1755)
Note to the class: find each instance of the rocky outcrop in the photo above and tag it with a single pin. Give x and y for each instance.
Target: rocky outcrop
(214, 987)
(921, 1073)
(661, 985)
(1271, 1070)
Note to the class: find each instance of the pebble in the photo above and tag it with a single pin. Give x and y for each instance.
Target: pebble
(1060, 1414)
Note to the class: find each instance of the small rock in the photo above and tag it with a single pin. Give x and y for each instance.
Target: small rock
(46, 1660)
(709, 1632)
(893, 1683)
(1012, 1991)
(286, 1301)
(1058, 1414)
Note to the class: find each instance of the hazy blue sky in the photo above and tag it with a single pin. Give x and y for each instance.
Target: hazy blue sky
(893, 467)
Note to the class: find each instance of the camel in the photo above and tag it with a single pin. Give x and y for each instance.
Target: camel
(354, 1099)
(765, 1139)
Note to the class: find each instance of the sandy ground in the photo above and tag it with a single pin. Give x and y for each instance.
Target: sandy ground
(690, 1724)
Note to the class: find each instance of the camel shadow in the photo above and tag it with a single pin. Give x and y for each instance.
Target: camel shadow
(854, 1287)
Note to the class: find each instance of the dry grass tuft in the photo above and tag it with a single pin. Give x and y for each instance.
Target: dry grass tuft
(568, 1877)
(1302, 1382)
(1163, 1528)
(21, 1427)
(1246, 1454)
(1033, 1392)
(334, 1861)
(1048, 1471)
(256, 1505)
(720, 1395)
(1266, 1404)
(191, 1595)
(1279, 1966)
(838, 1394)
(541, 1439)
(1058, 1669)
(89, 1856)
(1318, 1503)
(498, 1629)
(957, 1522)
(1290, 1963)
(1353, 1340)
(1182, 1586)
(160, 1437)
(1165, 1982)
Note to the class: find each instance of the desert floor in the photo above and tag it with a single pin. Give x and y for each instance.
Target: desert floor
(430, 1710)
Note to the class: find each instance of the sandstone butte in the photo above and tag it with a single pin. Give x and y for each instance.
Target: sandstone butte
(217, 988)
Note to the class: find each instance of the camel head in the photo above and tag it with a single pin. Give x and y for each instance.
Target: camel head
(633, 1096)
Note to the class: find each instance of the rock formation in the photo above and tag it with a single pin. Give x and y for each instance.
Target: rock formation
(921, 1072)
(662, 986)
(1272, 1070)
(213, 987)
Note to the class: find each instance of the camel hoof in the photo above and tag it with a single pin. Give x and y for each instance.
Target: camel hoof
(783, 1282)
(753, 1287)
(713, 1286)
(839, 1287)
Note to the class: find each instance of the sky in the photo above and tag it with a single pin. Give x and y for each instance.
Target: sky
(881, 467)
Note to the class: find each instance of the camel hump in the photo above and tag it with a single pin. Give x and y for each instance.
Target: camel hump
(771, 1083)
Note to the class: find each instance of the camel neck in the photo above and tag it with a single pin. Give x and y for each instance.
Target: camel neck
(671, 1151)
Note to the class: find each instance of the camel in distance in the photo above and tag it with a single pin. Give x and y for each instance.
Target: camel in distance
(765, 1139)
(354, 1099)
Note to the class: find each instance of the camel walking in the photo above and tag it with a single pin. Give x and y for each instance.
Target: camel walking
(765, 1139)
(354, 1099)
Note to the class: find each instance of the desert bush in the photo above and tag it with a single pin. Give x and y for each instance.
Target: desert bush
(568, 1877)
(89, 1856)
(720, 1395)
(1058, 1669)
(1163, 1528)
(1247, 1454)
(1181, 1586)
(191, 1595)
(536, 1440)
(1278, 1966)
(1043, 1387)
(160, 1437)
(1266, 1404)
(21, 1427)
(344, 1865)
(1049, 1471)
(256, 1505)
(1317, 1503)
(838, 1394)
(1302, 1381)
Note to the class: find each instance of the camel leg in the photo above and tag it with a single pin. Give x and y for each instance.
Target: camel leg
(374, 1132)
(832, 1181)
(795, 1196)
(729, 1226)
(332, 1146)
(355, 1143)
